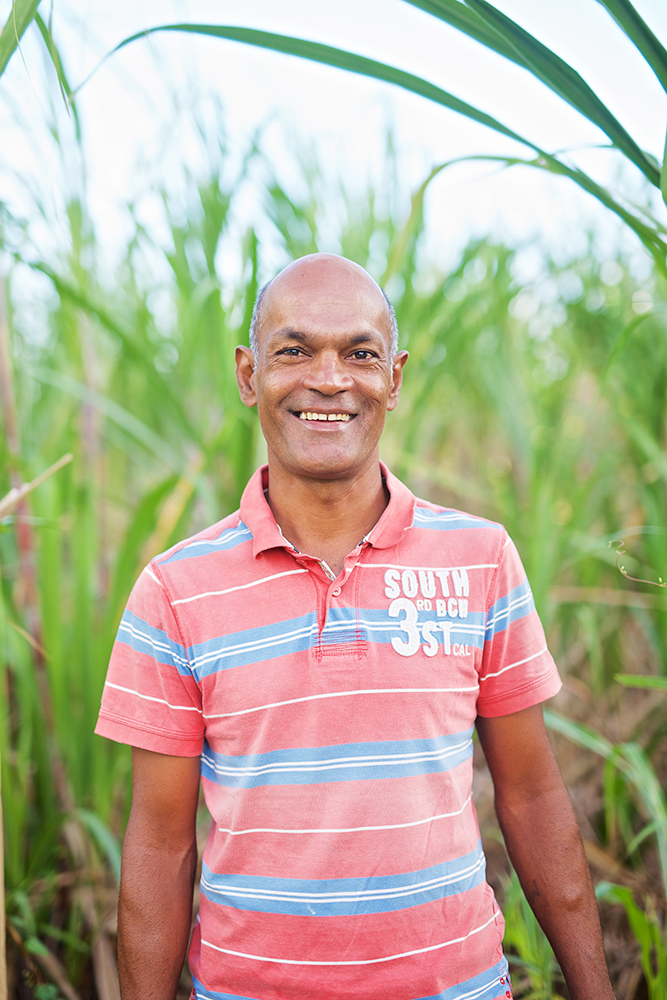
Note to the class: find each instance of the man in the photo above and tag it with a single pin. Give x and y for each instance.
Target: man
(321, 657)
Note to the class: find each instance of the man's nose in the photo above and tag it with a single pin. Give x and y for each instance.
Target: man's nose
(327, 374)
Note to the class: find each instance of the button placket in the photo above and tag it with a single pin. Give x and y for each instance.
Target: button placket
(327, 590)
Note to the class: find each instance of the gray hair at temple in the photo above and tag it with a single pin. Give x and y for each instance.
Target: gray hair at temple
(257, 308)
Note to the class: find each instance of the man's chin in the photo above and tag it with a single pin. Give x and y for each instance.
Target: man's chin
(327, 471)
(327, 468)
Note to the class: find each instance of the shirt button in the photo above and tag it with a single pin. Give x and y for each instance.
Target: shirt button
(336, 592)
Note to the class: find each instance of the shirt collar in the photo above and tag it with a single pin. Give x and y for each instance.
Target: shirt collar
(256, 514)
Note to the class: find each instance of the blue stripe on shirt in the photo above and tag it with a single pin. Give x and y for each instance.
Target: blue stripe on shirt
(237, 649)
(379, 627)
(451, 520)
(342, 762)
(253, 645)
(227, 539)
(484, 986)
(340, 897)
(517, 604)
(154, 642)
(295, 635)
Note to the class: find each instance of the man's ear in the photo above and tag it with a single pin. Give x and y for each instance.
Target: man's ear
(245, 375)
(397, 363)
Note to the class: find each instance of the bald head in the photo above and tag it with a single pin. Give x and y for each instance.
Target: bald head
(329, 276)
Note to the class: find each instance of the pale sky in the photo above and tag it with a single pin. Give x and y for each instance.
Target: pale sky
(129, 124)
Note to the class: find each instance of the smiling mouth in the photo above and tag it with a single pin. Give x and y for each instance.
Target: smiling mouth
(326, 417)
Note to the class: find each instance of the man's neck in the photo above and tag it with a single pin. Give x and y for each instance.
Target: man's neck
(327, 518)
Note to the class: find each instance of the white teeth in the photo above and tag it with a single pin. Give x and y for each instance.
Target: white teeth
(341, 417)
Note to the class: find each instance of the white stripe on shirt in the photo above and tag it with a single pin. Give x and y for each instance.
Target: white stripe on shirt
(242, 586)
(148, 697)
(367, 961)
(351, 829)
(345, 694)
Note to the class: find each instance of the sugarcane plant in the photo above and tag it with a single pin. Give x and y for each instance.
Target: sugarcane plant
(493, 29)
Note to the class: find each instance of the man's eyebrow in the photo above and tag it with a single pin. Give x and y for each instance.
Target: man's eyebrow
(290, 334)
(303, 338)
(364, 338)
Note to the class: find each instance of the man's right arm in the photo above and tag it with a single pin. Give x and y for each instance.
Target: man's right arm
(157, 875)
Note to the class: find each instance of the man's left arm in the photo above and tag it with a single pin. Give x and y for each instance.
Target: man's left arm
(545, 848)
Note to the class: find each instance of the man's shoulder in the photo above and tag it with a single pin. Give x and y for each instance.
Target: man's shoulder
(222, 536)
(430, 530)
(434, 517)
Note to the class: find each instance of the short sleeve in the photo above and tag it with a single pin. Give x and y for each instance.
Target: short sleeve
(517, 669)
(151, 699)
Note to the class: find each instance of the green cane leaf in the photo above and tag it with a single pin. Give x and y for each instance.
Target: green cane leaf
(21, 14)
(104, 837)
(566, 82)
(63, 82)
(341, 59)
(641, 35)
(456, 14)
(578, 733)
(642, 681)
(368, 67)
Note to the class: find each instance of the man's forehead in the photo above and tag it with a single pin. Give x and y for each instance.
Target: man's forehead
(324, 288)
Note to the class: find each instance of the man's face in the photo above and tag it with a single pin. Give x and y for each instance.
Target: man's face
(324, 376)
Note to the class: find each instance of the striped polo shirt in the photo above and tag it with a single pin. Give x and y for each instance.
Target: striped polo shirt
(334, 719)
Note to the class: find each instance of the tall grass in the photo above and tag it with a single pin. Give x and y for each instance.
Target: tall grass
(488, 25)
(540, 404)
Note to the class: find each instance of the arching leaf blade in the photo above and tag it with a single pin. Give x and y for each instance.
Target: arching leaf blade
(577, 732)
(104, 838)
(648, 236)
(456, 14)
(566, 82)
(641, 772)
(341, 59)
(641, 35)
(63, 82)
(20, 16)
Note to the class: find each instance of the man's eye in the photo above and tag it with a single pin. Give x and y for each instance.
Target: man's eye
(363, 355)
(291, 351)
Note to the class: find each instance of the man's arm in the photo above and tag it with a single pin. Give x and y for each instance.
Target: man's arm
(544, 845)
(157, 875)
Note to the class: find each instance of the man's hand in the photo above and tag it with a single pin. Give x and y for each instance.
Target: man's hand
(544, 845)
(157, 875)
